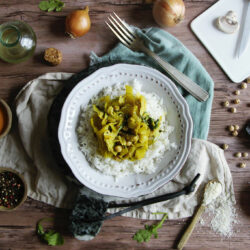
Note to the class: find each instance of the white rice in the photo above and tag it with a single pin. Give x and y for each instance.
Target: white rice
(88, 142)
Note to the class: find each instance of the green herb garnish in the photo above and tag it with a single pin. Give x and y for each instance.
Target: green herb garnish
(144, 235)
(51, 237)
(152, 124)
(51, 5)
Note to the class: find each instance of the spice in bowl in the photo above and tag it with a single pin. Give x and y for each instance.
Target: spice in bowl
(5, 118)
(13, 190)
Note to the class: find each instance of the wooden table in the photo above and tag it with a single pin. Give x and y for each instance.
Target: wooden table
(17, 229)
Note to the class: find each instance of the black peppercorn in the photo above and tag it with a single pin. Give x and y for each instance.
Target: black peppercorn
(11, 189)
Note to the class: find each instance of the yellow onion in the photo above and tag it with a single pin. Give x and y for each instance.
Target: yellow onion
(78, 23)
(168, 13)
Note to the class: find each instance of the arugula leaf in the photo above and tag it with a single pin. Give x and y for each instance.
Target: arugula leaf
(144, 235)
(51, 5)
(51, 237)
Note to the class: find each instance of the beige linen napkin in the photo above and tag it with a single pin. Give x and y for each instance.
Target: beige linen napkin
(27, 150)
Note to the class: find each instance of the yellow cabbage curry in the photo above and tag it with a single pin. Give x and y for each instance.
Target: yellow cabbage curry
(123, 128)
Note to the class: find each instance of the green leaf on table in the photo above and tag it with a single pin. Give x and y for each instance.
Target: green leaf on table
(44, 5)
(51, 5)
(40, 229)
(51, 237)
(58, 9)
(144, 235)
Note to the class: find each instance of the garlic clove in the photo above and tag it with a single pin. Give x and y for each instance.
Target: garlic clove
(228, 23)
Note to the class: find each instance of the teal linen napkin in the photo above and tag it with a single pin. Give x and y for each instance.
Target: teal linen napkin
(173, 51)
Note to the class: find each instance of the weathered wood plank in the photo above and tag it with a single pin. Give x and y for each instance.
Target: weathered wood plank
(17, 229)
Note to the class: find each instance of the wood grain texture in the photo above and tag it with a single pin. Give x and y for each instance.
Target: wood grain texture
(17, 229)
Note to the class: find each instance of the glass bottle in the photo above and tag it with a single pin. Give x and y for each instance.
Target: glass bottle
(17, 41)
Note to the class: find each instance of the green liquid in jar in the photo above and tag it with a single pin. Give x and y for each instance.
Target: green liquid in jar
(17, 42)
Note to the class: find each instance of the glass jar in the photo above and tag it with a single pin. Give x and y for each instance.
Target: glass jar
(17, 41)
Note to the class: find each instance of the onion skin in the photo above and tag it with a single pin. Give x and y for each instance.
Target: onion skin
(78, 23)
(168, 13)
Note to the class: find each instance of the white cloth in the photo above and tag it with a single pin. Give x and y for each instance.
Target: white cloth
(27, 150)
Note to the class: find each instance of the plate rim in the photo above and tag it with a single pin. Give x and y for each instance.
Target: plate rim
(188, 132)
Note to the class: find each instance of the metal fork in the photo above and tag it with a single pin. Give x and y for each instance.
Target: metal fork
(128, 37)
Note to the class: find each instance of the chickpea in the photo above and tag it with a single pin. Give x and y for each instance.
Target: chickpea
(237, 92)
(135, 139)
(238, 154)
(132, 123)
(233, 110)
(116, 107)
(235, 133)
(242, 165)
(243, 85)
(226, 103)
(118, 148)
(236, 101)
(245, 154)
(236, 127)
(225, 146)
(143, 138)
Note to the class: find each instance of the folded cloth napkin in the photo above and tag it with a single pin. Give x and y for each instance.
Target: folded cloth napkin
(27, 150)
(27, 147)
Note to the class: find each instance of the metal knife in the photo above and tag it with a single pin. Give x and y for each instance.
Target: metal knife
(245, 31)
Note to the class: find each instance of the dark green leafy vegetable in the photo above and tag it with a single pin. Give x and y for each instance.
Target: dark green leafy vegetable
(51, 5)
(144, 235)
(51, 237)
(152, 124)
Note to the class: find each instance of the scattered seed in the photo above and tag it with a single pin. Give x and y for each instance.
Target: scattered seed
(233, 110)
(248, 80)
(231, 128)
(237, 92)
(236, 127)
(226, 103)
(236, 101)
(245, 154)
(235, 133)
(242, 165)
(225, 146)
(238, 154)
(243, 85)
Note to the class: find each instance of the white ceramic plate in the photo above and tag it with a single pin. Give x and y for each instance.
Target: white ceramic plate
(223, 46)
(178, 116)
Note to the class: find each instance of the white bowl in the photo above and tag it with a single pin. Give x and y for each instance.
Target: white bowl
(178, 116)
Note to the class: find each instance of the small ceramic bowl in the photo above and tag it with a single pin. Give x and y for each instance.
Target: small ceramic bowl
(24, 193)
(7, 116)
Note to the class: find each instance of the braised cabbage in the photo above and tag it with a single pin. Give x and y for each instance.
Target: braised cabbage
(123, 128)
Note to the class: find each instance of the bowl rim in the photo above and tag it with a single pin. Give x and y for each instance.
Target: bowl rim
(6, 169)
(9, 118)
